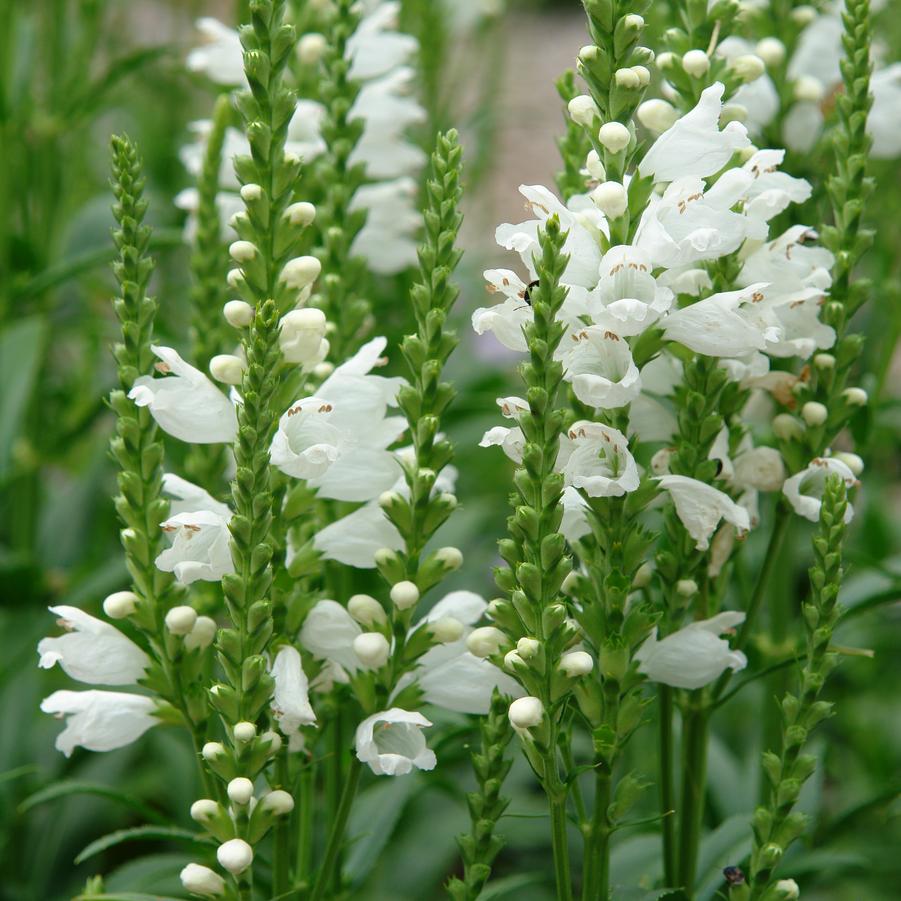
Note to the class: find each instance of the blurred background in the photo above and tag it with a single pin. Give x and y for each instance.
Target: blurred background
(74, 71)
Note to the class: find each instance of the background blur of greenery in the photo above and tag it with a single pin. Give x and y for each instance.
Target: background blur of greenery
(72, 72)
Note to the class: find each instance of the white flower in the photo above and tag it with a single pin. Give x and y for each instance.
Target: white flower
(200, 880)
(376, 47)
(582, 222)
(100, 720)
(694, 145)
(355, 538)
(505, 320)
(575, 516)
(760, 468)
(771, 191)
(392, 743)
(451, 677)
(291, 700)
(526, 713)
(186, 497)
(694, 656)
(338, 439)
(220, 55)
(92, 651)
(185, 404)
(596, 458)
(700, 507)
(630, 298)
(790, 261)
(200, 547)
(714, 326)
(388, 239)
(599, 365)
(301, 336)
(882, 123)
(328, 633)
(510, 440)
(691, 222)
(804, 491)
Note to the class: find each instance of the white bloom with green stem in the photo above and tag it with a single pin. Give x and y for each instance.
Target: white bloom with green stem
(804, 490)
(600, 367)
(700, 508)
(596, 458)
(391, 743)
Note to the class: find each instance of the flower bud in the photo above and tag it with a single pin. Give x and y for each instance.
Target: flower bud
(627, 78)
(274, 740)
(588, 53)
(808, 89)
(644, 76)
(824, 361)
(855, 397)
(611, 199)
(633, 22)
(310, 48)
(240, 790)
(301, 213)
(803, 15)
(404, 595)
(814, 413)
(576, 664)
(300, 272)
(323, 370)
(852, 461)
(526, 713)
(787, 890)
(200, 880)
(696, 63)
(657, 115)
(485, 641)
(235, 278)
(278, 802)
(120, 604)
(595, 167)
(450, 558)
(570, 582)
(180, 620)
(202, 635)
(203, 810)
(372, 649)
(235, 855)
(643, 576)
(446, 629)
(300, 336)
(366, 610)
(242, 251)
(512, 660)
(614, 136)
(733, 112)
(771, 51)
(251, 192)
(227, 368)
(583, 110)
(528, 648)
(244, 731)
(238, 313)
(748, 67)
(665, 61)
(786, 427)
(212, 750)
(686, 588)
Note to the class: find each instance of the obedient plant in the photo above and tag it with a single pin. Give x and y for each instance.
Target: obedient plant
(686, 379)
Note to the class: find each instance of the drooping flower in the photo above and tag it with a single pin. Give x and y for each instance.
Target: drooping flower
(804, 490)
(100, 720)
(354, 539)
(700, 507)
(511, 440)
(185, 403)
(328, 633)
(200, 549)
(391, 743)
(92, 651)
(507, 319)
(291, 702)
(596, 458)
(694, 656)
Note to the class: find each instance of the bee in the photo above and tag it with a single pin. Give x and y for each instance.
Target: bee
(734, 876)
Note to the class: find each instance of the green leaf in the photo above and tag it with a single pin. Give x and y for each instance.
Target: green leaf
(21, 347)
(140, 833)
(65, 789)
(727, 845)
(503, 888)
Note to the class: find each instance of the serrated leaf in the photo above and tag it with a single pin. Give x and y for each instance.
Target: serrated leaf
(140, 833)
(65, 789)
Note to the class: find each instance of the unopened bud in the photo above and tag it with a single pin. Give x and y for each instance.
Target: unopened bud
(595, 167)
(449, 557)
(485, 641)
(526, 713)
(372, 649)
(512, 661)
(626, 78)
(244, 731)
(311, 47)
(665, 61)
(576, 664)
(657, 115)
(588, 53)
(404, 595)
(366, 610)
(446, 629)
(120, 604)
(583, 110)
(203, 810)
(855, 397)
(212, 750)
(235, 278)
(824, 361)
(814, 413)
(238, 313)
(771, 51)
(300, 272)
(301, 213)
(786, 427)
(227, 368)
(274, 740)
(808, 89)
(235, 855)
(643, 576)
(787, 890)
(803, 15)
(323, 370)
(240, 790)
(570, 582)
(748, 67)
(201, 880)
(528, 648)
(242, 251)
(614, 136)
(644, 76)
(611, 199)
(852, 461)
(696, 63)
(251, 192)
(733, 112)
(202, 635)
(278, 802)
(180, 620)
(686, 588)
(300, 335)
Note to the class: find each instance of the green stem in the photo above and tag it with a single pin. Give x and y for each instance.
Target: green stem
(667, 788)
(336, 837)
(597, 884)
(306, 825)
(557, 804)
(281, 854)
(694, 771)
